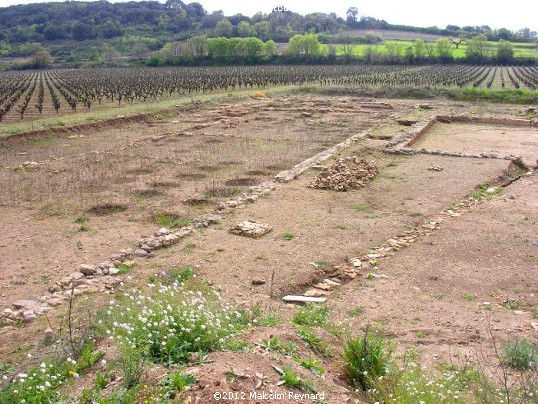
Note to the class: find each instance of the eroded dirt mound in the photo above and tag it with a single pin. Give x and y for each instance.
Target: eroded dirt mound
(346, 174)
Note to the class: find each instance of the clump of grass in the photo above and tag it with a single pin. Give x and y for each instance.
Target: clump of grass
(521, 355)
(288, 235)
(176, 382)
(482, 191)
(311, 315)
(177, 275)
(132, 364)
(238, 345)
(170, 220)
(365, 360)
(315, 343)
(84, 228)
(147, 193)
(275, 344)
(356, 312)
(469, 297)
(420, 334)
(361, 208)
(311, 364)
(262, 318)
(511, 304)
(125, 268)
(291, 378)
(49, 209)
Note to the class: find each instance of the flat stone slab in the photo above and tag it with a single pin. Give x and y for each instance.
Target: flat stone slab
(251, 229)
(23, 304)
(303, 299)
(315, 293)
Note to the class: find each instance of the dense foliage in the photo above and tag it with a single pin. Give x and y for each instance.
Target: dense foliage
(174, 20)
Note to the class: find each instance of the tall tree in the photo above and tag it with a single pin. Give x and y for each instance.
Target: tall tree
(244, 29)
(41, 59)
(394, 51)
(352, 14)
(346, 45)
(477, 48)
(195, 48)
(505, 51)
(224, 28)
(420, 48)
(444, 50)
(270, 49)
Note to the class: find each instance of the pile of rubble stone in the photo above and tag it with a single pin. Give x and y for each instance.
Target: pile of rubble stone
(346, 174)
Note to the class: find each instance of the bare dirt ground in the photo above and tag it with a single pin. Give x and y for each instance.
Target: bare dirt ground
(466, 138)
(441, 295)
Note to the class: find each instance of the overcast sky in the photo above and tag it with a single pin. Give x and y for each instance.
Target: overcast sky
(514, 14)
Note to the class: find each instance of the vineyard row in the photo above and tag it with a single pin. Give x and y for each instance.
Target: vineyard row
(67, 90)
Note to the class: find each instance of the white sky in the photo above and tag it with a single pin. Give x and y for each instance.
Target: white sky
(514, 14)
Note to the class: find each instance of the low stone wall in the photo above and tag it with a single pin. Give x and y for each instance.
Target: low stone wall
(401, 144)
(295, 171)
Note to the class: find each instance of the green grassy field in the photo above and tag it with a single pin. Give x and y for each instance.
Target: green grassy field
(521, 50)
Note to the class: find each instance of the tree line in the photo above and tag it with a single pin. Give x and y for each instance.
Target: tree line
(307, 48)
(175, 20)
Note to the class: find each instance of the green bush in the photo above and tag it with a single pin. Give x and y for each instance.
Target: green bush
(365, 360)
(521, 355)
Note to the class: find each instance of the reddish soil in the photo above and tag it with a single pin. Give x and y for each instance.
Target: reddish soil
(441, 295)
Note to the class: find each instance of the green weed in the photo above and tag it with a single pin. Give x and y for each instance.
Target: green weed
(311, 315)
(521, 355)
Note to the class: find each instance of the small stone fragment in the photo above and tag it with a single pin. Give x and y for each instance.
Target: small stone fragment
(113, 271)
(251, 229)
(87, 269)
(323, 286)
(138, 252)
(28, 316)
(48, 335)
(315, 293)
(259, 281)
(54, 288)
(356, 262)
(330, 282)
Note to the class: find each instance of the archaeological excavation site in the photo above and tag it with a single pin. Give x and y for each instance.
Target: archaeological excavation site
(253, 245)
